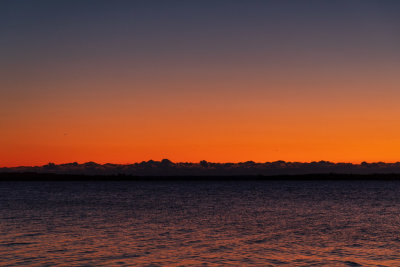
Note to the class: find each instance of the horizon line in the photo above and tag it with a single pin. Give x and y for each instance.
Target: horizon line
(198, 162)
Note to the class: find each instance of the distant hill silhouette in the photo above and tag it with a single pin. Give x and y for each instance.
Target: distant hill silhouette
(166, 167)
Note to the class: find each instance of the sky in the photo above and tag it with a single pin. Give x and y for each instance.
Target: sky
(223, 81)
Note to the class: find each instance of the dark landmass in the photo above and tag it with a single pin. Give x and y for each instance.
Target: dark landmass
(300, 177)
(167, 170)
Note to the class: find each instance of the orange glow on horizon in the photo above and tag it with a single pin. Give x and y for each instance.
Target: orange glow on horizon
(194, 125)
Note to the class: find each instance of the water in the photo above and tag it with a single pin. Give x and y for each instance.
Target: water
(274, 223)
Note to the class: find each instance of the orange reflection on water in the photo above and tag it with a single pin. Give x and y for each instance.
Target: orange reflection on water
(213, 223)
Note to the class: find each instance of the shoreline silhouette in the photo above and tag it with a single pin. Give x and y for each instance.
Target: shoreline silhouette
(168, 170)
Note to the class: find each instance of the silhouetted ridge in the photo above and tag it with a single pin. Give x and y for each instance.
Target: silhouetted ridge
(166, 167)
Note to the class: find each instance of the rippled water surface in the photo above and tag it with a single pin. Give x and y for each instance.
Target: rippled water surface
(272, 223)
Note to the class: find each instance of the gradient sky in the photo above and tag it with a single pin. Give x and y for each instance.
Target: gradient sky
(126, 81)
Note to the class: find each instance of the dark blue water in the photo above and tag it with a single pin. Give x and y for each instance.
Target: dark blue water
(304, 223)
